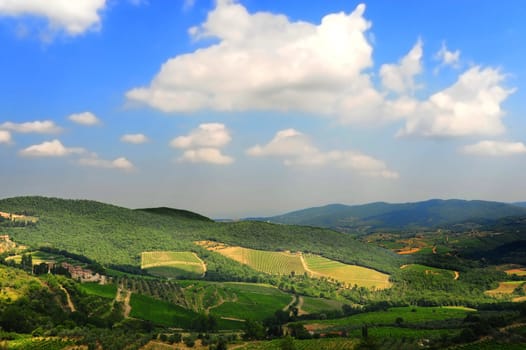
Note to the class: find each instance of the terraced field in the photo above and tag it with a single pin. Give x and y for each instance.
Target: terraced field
(171, 264)
(349, 274)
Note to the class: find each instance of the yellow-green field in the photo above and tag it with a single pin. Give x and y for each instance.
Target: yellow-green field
(284, 263)
(275, 263)
(506, 288)
(172, 264)
(349, 274)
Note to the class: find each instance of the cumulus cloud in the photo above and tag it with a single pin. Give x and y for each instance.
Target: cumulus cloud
(205, 155)
(72, 17)
(495, 148)
(471, 106)
(120, 163)
(206, 135)
(84, 118)
(53, 148)
(39, 127)
(134, 138)
(5, 137)
(203, 144)
(446, 57)
(400, 77)
(296, 149)
(277, 64)
(321, 69)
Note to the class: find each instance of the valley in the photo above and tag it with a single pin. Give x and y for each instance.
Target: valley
(174, 278)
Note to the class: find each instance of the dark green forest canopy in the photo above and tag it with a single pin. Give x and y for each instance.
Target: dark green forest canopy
(114, 235)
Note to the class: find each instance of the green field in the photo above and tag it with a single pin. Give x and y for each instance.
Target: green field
(251, 301)
(172, 264)
(37, 343)
(315, 305)
(160, 312)
(349, 274)
(308, 344)
(429, 270)
(410, 315)
(102, 290)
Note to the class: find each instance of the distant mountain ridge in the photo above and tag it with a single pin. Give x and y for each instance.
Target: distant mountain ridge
(398, 216)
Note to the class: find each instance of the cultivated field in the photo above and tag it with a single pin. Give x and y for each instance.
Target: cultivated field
(274, 263)
(410, 315)
(349, 274)
(284, 263)
(506, 288)
(173, 264)
(428, 270)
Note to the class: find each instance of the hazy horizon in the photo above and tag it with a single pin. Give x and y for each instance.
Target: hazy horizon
(255, 108)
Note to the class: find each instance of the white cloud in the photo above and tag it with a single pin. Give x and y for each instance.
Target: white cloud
(206, 135)
(84, 118)
(39, 127)
(50, 149)
(400, 77)
(471, 106)
(134, 138)
(495, 148)
(296, 149)
(448, 58)
(264, 61)
(120, 163)
(5, 137)
(72, 17)
(202, 144)
(205, 155)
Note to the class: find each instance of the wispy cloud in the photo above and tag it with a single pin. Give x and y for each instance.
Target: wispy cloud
(120, 163)
(296, 148)
(39, 127)
(53, 148)
(495, 148)
(85, 118)
(134, 138)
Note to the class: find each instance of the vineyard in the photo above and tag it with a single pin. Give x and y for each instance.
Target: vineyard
(274, 263)
(173, 264)
(349, 274)
(286, 263)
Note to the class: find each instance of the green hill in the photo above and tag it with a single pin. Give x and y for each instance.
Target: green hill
(176, 213)
(117, 236)
(405, 216)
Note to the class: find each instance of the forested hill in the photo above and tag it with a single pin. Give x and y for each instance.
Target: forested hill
(176, 213)
(115, 235)
(404, 216)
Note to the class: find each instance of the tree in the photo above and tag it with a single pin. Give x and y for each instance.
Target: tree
(287, 343)
(254, 330)
(27, 262)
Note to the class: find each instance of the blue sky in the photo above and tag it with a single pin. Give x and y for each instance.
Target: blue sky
(236, 108)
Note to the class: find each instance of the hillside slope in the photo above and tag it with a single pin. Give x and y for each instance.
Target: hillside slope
(386, 216)
(115, 235)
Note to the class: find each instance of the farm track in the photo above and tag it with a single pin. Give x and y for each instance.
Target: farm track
(286, 307)
(457, 275)
(124, 299)
(68, 298)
